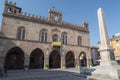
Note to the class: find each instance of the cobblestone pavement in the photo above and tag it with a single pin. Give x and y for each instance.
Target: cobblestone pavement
(44, 75)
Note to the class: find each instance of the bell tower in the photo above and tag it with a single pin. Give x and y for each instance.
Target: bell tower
(55, 16)
(10, 8)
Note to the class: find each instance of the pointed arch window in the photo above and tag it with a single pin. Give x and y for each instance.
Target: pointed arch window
(64, 38)
(21, 33)
(43, 35)
(79, 41)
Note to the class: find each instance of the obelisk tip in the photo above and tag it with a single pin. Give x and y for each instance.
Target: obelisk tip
(100, 10)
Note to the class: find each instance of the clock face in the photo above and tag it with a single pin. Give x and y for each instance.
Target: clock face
(56, 18)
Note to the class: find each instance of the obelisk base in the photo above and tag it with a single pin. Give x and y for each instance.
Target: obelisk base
(105, 73)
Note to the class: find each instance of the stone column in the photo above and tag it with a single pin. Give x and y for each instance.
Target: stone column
(77, 62)
(89, 60)
(2, 62)
(62, 53)
(26, 61)
(46, 60)
(63, 65)
(46, 63)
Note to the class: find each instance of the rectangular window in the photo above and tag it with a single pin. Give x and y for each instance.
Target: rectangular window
(42, 37)
(21, 34)
(79, 41)
(64, 39)
(45, 37)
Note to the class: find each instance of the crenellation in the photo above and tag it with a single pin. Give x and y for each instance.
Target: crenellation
(33, 15)
(14, 3)
(25, 14)
(75, 26)
(29, 15)
(39, 17)
(85, 24)
(21, 13)
(36, 16)
(6, 1)
(43, 18)
(78, 26)
(68, 23)
(60, 12)
(47, 20)
(10, 2)
(55, 11)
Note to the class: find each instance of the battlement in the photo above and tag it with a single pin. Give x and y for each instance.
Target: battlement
(73, 26)
(10, 3)
(32, 17)
(52, 10)
(12, 10)
(29, 15)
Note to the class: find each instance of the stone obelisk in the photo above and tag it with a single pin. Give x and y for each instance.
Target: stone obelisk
(108, 68)
(105, 49)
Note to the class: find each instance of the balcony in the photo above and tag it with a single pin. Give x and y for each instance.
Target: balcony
(57, 44)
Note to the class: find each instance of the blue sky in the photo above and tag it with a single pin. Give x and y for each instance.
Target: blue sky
(76, 11)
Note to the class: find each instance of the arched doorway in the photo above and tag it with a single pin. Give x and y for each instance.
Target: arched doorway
(70, 60)
(54, 59)
(14, 59)
(36, 59)
(82, 59)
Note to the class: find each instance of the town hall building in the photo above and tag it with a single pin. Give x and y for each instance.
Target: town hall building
(37, 42)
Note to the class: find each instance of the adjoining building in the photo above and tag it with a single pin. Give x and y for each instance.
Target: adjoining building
(115, 43)
(95, 55)
(36, 42)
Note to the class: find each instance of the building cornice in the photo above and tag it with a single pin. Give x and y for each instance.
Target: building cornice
(36, 41)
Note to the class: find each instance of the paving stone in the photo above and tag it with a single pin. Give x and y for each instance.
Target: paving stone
(57, 74)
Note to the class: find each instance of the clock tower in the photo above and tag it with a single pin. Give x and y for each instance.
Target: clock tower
(55, 16)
